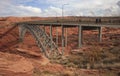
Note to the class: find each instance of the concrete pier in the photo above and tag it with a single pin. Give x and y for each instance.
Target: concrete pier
(80, 34)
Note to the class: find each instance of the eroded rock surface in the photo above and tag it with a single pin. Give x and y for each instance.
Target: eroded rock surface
(13, 65)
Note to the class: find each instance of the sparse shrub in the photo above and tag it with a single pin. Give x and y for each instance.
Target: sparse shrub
(67, 73)
(44, 73)
(93, 55)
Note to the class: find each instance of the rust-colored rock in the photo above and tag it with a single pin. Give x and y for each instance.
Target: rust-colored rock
(13, 65)
(20, 59)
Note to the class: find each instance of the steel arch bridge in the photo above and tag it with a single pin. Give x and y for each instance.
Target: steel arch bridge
(44, 42)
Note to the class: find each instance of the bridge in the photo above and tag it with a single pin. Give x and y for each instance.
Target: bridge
(45, 42)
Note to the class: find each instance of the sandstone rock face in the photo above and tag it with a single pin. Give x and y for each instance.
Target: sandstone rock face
(13, 65)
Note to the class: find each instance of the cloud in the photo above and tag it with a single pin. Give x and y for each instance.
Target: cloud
(8, 9)
(54, 7)
(29, 9)
(118, 3)
(113, 10)
(88, 7)
(52, 11)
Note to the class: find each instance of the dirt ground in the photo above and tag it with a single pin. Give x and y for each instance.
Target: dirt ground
(93, 59)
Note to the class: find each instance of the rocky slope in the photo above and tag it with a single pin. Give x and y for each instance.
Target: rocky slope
(25, 59)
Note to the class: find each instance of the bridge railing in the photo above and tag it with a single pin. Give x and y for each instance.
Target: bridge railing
(79, 20)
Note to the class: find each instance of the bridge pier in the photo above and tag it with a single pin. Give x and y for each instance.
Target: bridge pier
(80, 35)
(66, 36)
(62, 37)
(57, 35)
(100, 34)
(22, 31)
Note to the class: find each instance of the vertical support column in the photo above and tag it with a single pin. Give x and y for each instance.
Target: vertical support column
(22, 32)
(63, 39)
(100, 34)
(44, 27)
(57, 35)
(51, 35)
(66, 32)
(80, 36)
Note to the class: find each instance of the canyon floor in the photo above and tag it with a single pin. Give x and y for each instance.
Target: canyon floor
(94, 58)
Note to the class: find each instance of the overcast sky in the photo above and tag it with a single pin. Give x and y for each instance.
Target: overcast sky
(49, 8)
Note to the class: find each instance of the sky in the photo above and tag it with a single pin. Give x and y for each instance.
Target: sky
(50, 8)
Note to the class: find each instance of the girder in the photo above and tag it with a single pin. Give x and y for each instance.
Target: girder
(42, 39)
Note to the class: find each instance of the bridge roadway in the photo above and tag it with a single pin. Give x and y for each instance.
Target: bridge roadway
(81, 25)
(71, 24)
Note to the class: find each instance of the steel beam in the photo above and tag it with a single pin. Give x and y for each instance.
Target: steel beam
(22, 31)
(100, 34)
(63, 42)
(57, 35)
(44, 27)
(43, 41)
(66, 37)
(51, 37)
(80, 34)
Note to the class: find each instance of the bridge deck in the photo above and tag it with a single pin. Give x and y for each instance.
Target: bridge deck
(81, 25)
(72, 24)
